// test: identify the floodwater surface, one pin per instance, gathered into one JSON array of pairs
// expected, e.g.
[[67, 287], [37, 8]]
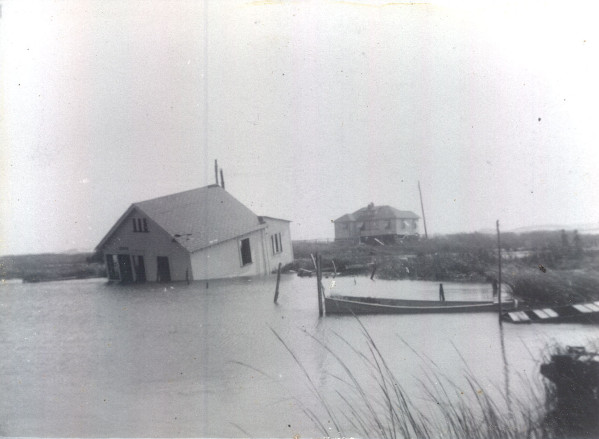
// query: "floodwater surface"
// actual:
[[87, 358]]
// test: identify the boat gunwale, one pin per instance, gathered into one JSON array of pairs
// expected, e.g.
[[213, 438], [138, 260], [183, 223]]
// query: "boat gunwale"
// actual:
[[446, 306]]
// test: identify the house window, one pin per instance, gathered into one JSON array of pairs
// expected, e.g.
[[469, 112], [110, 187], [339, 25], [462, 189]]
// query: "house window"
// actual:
[[246, 252], [140, 225], [277, 243]]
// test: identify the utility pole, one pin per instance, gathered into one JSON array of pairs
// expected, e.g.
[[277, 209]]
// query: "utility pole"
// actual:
[[499, 275], [422, 208]]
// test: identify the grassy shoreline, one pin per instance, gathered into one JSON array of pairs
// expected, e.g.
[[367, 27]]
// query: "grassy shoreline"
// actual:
[[548, 268], [51, 267]]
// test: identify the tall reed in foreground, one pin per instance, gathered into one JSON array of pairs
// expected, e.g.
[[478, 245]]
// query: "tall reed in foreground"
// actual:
[[380, 407]]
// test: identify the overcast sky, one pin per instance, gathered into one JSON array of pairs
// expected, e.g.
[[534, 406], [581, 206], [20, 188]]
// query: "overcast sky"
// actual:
[[313, 109]]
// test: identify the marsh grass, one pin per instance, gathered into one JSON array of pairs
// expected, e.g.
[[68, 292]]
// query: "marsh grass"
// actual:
[[376, 404]]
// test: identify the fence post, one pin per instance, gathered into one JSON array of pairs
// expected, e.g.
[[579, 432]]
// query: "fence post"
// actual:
[[278, 279], [318, 285], [322, 301]]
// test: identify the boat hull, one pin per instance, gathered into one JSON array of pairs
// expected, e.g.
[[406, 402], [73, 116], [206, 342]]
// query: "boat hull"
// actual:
[[577, 313], [359, 305]]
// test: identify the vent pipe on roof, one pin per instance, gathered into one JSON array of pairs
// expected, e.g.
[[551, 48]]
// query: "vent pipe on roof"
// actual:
[[216, 171], [222, 179]]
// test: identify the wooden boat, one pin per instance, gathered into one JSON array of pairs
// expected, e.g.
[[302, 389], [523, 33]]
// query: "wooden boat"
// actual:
[[370, 305], [578, 313]]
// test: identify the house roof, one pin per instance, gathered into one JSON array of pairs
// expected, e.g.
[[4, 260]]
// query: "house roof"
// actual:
[[371, 212], [262, 217], [198, 218]]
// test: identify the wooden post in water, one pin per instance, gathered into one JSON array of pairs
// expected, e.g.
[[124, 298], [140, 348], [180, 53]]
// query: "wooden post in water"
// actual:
[[321, 285], [499, 275], [318, 285], [422, 208], [278, 280]]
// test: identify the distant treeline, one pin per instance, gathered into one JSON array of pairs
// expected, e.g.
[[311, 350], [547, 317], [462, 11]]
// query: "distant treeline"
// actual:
[[562, 242], [51, 266]]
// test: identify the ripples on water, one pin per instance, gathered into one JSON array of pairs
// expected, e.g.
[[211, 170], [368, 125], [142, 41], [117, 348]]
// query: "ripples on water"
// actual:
[[85, 358]]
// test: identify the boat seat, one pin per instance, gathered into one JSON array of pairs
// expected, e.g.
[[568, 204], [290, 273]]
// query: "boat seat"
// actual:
[[519, 316], [592, 306], [541, 313], [513, 316], [582, 308], [550, 312]]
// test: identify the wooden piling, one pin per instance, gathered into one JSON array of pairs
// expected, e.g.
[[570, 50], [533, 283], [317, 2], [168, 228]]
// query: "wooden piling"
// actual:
[[422, 208], [499, 274], [278, 280], [322, 290], [373, 271], [319, 285]]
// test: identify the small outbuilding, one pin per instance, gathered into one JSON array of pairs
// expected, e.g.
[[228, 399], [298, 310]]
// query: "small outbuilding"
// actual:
[[383, 223], [198, 234]]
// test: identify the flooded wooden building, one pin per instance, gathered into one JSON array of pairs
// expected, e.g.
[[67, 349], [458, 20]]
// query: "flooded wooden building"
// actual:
[[203, 233]]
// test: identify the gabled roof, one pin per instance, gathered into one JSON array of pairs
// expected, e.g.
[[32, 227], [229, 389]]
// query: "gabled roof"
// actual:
[[262, 217], [371, 212], [198, 218]]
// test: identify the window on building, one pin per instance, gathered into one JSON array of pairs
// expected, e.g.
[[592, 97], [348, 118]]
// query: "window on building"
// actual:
[[277, 243], [246, 251], [140, 225]]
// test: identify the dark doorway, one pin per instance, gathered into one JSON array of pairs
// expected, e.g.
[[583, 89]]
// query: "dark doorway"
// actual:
[[140, 270], [125, 268], [113, 274], [246, 252], [163, 273]]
